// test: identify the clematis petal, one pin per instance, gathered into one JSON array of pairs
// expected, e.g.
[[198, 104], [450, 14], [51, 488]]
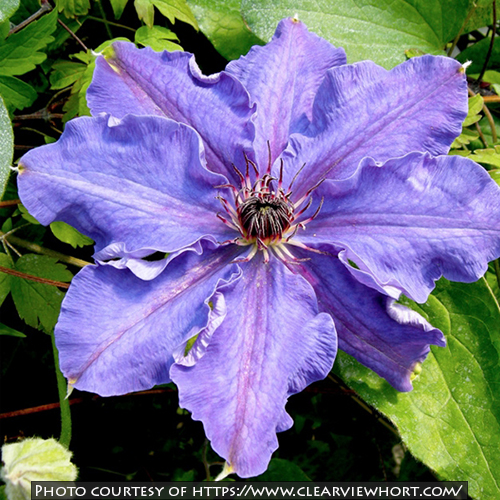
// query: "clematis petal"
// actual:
[[412, 220], [388, 338], [137, 184], [170, 84], [283, 77], [117, 333], [364, 110], [271, 342]]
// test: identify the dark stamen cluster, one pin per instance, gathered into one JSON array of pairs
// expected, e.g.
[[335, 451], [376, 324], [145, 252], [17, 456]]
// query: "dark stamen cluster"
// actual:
[[265, 217]]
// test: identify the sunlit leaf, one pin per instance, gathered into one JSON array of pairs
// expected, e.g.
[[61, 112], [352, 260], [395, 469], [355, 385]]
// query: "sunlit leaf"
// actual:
[[70, 235], [158, 38], [490, 156], [222, 24], [6, 146], [7, 8], [380, 31], [171, 9], [73, 8], [450, 421]]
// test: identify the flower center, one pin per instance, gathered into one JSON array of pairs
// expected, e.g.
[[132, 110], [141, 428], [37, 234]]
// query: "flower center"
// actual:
[[265, 217]]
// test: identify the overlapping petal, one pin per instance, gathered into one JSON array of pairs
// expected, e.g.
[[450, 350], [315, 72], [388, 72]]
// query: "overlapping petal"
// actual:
[[170, 84], [271, 343], [386, 337], [117, 333], [283, 77], [364, 110], [412, 220], [138, 185]]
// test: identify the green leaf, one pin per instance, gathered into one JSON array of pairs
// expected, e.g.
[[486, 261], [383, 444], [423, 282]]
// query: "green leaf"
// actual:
[[73, 8], [222, 24], [283, 470], [21, 52], [171, 9], [490, 156], [7, 8], [474, 113], [6, 147], [477, 55], [158, 38], [489, 76], [26, 215], [66, 73], [380, 31], [118, 7], [495, 175], [450, 421], [5, 279], [465, 138], [77, 103], [8, 331], [38, 304], [70, 235], [482, 16], [16, 93], [34, 459], [409, 53]]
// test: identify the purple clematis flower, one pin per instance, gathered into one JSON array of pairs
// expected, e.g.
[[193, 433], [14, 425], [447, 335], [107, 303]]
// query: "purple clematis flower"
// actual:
[[296, 197]]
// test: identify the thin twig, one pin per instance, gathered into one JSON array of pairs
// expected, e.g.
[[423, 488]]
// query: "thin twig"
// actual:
[[33, 247], [104, 20], [490, 48], [45, 7], [9, 203], [488, 115], [37, 409], [98, 19], [481, 135], [205, 461], [459, 34], [491, 98], [30, 277], [41, 114], [73, 35]]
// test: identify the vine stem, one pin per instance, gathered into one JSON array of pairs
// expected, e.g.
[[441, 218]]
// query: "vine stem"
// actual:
[[459, 34], [33, 247], [30, 277], [62, 389], [73, 34], [489, 117], [490, 48], [9, 203], [45, 7]]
